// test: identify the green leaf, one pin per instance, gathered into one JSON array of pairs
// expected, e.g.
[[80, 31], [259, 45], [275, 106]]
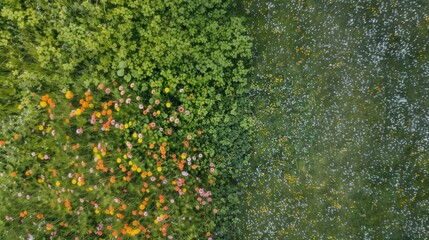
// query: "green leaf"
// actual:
[[127, 77], [122, 64], [120, 72]]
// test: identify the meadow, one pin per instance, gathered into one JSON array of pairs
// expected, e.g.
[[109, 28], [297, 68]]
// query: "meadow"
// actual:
[[120, 119]]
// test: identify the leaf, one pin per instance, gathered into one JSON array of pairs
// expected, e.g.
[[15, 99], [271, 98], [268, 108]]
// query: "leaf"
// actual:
[[120, 72], [127, 77], [135, 73], [122, 64]]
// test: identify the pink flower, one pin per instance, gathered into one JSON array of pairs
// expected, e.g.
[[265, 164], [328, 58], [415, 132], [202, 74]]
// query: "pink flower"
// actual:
[[107, 91], [157, 101], [169, 131], [153, 124], [79, 131], [128, 101], [121, 88], [132, 85], [122, 93], [181, 109], [141, 106]]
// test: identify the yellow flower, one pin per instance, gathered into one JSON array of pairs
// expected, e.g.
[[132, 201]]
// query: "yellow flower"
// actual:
[[40, 127], [74, 181], [159, 169], [134, 135], [57, 183], [158, 112], [78, 112], [43, 104], [19, 107], [69, 95], [118, 160], [126, 125], [140, 140], [167, 90], [168, 105]]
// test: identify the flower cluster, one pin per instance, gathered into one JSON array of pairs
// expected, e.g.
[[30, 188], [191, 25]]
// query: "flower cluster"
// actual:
[[111, 162]]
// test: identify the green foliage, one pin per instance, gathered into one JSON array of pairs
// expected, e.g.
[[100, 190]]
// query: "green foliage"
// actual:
[[189, 54]]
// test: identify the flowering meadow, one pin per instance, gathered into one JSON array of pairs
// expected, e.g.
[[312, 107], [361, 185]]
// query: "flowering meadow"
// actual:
[[126, 119]]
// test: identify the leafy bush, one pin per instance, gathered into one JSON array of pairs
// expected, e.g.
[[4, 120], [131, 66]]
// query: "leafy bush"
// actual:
[[132, 118]]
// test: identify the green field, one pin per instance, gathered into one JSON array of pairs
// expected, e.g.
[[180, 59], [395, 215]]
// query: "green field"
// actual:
[[211, 119], [340, 93]]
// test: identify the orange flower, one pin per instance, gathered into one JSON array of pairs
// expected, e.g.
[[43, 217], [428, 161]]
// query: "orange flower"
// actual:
[[45, 97], [67, 204], [181, 166], [16, 136], [2, 142], [48, 226], [23, 214]]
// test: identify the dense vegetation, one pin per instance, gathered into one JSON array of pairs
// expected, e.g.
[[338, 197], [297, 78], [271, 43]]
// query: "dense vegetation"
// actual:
[[121, 119]]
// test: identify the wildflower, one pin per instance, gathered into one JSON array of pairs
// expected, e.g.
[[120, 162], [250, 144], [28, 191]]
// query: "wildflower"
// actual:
[[132, 85], [78, 112], [43, 104], [168, 104], [79, 131], [157, 102], [107, 91], [181, 109], [167, 90], [69, 95]]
